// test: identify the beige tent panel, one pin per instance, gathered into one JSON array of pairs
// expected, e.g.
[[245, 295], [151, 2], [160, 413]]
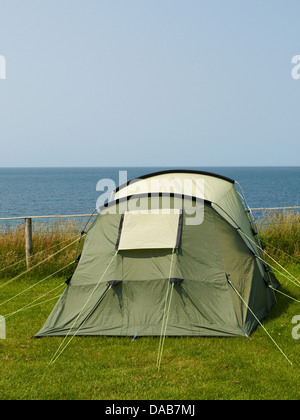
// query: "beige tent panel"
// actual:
[[148, 231], [202, 186], [191, 184], [219, 191]]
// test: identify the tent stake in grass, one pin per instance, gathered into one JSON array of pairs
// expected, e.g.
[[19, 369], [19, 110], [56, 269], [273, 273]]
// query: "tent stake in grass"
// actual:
[[259, 322]]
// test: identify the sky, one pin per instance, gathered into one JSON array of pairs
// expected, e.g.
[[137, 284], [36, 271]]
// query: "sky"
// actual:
[[149, 83]]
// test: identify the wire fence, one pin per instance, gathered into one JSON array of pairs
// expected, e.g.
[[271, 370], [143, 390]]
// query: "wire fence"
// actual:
[[268, 210], [67, 225], [69, 216], [274, 215]]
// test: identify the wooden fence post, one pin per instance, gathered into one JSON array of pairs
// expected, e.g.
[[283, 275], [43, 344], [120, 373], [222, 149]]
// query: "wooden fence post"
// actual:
[[28, 240]]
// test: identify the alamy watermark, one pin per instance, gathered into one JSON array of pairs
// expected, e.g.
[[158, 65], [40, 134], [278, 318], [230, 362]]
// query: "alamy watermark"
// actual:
[[296, 68], [159, 190], [2, 328], [2, 67], [296, 329]]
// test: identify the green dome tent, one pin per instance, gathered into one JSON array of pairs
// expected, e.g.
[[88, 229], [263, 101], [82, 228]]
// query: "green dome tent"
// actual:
[[173, 253]]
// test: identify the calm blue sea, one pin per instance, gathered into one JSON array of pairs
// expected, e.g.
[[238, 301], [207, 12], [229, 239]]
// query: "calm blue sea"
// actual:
[[45, 191]]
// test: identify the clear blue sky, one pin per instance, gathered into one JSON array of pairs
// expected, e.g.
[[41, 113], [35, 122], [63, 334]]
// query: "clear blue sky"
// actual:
[[149, 83]]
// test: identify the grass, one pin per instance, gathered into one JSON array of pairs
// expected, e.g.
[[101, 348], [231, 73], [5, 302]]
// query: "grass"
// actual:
[[111, 368], [48, 239], [280, 234]]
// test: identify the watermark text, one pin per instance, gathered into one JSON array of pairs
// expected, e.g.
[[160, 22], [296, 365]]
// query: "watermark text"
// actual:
[[296, 68], [2, 328], [296, 329], [2, 67], [161, 192]]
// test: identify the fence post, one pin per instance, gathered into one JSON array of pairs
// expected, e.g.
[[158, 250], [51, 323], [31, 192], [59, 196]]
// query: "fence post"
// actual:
[[28, 240]]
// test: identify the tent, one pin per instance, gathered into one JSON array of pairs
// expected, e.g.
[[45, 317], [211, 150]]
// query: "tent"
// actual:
[[173, 252]]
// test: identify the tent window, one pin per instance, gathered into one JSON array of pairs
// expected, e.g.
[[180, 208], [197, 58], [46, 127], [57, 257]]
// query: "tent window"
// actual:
[[149, 231]]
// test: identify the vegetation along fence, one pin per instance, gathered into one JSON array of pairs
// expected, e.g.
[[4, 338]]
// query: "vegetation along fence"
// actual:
[[257, 212]]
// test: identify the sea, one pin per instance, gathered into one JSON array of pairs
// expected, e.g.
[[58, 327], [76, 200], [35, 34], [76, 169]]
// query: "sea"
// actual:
[[68, 191]]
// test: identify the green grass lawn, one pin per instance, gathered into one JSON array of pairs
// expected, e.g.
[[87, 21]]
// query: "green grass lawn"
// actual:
[[117, 368]]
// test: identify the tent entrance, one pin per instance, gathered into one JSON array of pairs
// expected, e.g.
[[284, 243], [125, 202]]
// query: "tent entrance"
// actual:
[[149, 230]]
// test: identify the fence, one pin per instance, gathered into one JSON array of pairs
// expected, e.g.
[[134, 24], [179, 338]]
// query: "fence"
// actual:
[[28, 224], [28, 229]]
